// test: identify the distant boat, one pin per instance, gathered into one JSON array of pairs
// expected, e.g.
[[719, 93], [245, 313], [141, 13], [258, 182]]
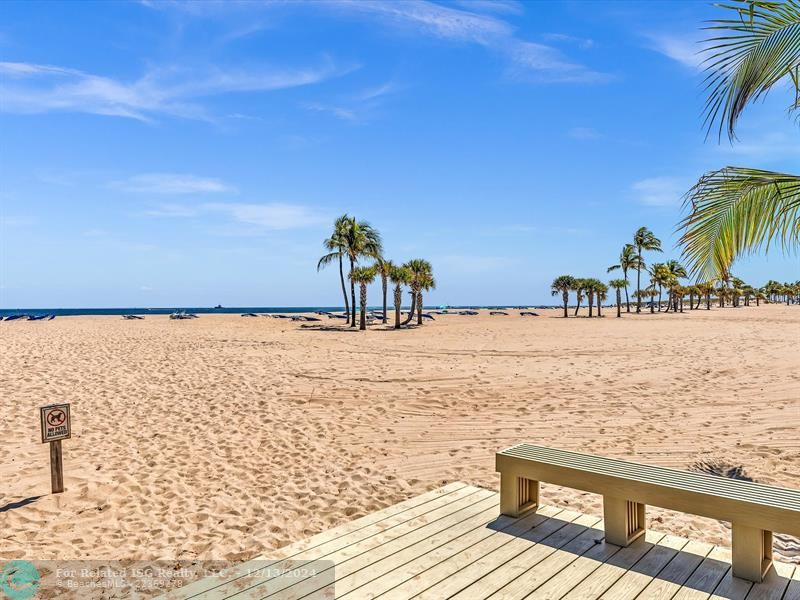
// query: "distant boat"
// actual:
[[218, 306]]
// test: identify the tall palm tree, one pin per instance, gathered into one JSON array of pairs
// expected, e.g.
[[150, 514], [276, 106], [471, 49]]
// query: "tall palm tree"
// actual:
[[643, 239], [618, 285], [734, 211], [418, 268], [676, 272], [563, 284], [400, 276], [578, 286], [336, 250], [360, 240], [384, 269], [591, 286], [363, 276], [628, 259], [426, 282], [601, 291]]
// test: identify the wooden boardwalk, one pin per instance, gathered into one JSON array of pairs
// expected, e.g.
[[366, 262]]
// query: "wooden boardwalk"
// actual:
[[451, 543]]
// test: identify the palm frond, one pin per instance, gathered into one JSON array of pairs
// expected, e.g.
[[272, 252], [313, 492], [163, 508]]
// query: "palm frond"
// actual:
[[747, 55], [736, 211]]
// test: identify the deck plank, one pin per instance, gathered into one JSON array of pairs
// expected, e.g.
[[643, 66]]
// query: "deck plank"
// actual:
[[671, 579], [452, 543], [434, 522], [327, 542], [359, 564], [774, 585], [434, 566], [497, 559], [607, 574], [706, 578]]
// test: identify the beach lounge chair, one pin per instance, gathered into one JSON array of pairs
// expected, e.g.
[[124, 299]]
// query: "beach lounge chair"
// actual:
[[249, 315], [498, 313], [528, 314]]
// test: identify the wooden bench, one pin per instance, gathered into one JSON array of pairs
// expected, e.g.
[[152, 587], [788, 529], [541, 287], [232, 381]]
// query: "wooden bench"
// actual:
[[754, 510]]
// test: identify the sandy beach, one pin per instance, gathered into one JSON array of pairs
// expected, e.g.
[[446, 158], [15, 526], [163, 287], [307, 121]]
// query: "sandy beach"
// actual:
[[227, 437]]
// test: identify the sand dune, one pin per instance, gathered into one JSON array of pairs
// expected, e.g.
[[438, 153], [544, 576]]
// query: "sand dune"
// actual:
[[225, 437]]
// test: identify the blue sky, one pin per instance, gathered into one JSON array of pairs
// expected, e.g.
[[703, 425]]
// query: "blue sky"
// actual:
[[169, 154]]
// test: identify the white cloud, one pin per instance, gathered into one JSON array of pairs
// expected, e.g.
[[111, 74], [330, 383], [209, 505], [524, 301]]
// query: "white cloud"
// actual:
[[444, 22], [34, 88], [584, 43], [583, 133], [684, 49], [274, 216], [660, 191], [167, 183], [473, 22], [764, 146], [340, 112]]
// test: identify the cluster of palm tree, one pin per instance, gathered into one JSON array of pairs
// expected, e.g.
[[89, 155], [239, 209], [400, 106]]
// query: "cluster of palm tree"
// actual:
[[589, 288], [665, 278], [353, 240]]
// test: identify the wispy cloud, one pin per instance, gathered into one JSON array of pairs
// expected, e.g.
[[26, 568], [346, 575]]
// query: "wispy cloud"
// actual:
[[583, 43], [471, 21], [683, 48], [528, 58], [583, 133], [272, 216], [660, 191], [357, 106], [36, 88], [168, 183]]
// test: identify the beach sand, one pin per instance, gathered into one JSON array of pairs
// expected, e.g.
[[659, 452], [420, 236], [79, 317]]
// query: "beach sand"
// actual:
[[225, 437]]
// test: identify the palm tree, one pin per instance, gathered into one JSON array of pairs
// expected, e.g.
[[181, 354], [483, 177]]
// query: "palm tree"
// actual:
[[426, 282], [659, 276], [336, 250], [400, 276], [363, 276], [384, 269], [675, 271], [739, 210], [418, 268], [578, 286], [601, 291], [360, 240], [618, 285], [628, 259], [562, 285], [643, 239]]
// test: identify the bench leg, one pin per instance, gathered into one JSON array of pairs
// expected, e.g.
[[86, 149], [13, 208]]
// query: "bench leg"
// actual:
[[624, 520], [517, 495], [751, 552]]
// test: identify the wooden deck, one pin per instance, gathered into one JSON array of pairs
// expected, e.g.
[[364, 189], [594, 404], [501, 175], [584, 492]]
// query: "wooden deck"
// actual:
[[451, 543]]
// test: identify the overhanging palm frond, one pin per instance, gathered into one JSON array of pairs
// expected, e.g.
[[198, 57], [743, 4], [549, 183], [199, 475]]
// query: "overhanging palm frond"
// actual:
[[736, 211], [751, 54]]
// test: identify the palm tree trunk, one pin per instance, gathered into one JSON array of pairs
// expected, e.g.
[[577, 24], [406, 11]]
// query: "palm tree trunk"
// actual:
[[413, 307], [578, 305], [659, 298], [419, 307], [627, 300], [344, 287], [590, 300], [639, 283], [398, 301], [599, 306], [352, 296], [385, 286], [363, 299], [565, 297], [619, 302]]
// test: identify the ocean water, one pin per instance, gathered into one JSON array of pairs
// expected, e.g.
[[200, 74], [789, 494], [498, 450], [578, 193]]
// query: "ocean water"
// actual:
[[4, 312]]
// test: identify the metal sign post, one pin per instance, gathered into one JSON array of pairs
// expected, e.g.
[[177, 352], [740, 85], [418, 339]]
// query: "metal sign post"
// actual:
[[56, 426]]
